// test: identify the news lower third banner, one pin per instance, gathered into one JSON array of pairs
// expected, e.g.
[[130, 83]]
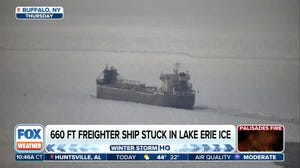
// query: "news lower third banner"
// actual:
[[35, 142]]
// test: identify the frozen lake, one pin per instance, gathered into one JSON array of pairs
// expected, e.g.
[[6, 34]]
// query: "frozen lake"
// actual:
[[243, 58]]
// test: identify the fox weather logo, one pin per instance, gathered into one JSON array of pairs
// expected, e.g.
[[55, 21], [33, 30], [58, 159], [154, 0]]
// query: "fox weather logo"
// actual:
[[29, 138], [39, 12]]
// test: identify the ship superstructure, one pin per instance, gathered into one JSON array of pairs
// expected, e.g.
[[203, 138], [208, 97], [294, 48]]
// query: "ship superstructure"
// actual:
[[176, 90]]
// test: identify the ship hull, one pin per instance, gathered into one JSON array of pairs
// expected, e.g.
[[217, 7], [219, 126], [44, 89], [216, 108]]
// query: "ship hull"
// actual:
[[186, 101]]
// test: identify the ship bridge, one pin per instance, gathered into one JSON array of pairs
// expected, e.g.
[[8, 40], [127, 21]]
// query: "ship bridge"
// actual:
[[175, 83]]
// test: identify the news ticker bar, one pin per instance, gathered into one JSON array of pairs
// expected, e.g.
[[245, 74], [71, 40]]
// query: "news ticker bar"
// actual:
[[264, 157], [84, 139]]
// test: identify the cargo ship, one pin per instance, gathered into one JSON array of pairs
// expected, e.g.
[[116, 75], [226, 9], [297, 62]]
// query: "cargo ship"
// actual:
[[176, 90]]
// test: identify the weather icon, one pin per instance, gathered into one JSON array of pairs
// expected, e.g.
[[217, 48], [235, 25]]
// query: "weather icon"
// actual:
[[146, 157]]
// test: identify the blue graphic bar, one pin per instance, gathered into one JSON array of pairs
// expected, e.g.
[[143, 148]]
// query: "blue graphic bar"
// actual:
[[75, 157], [30, 157], [253, 157], [39, 16], [238, 157], [145, 157]]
